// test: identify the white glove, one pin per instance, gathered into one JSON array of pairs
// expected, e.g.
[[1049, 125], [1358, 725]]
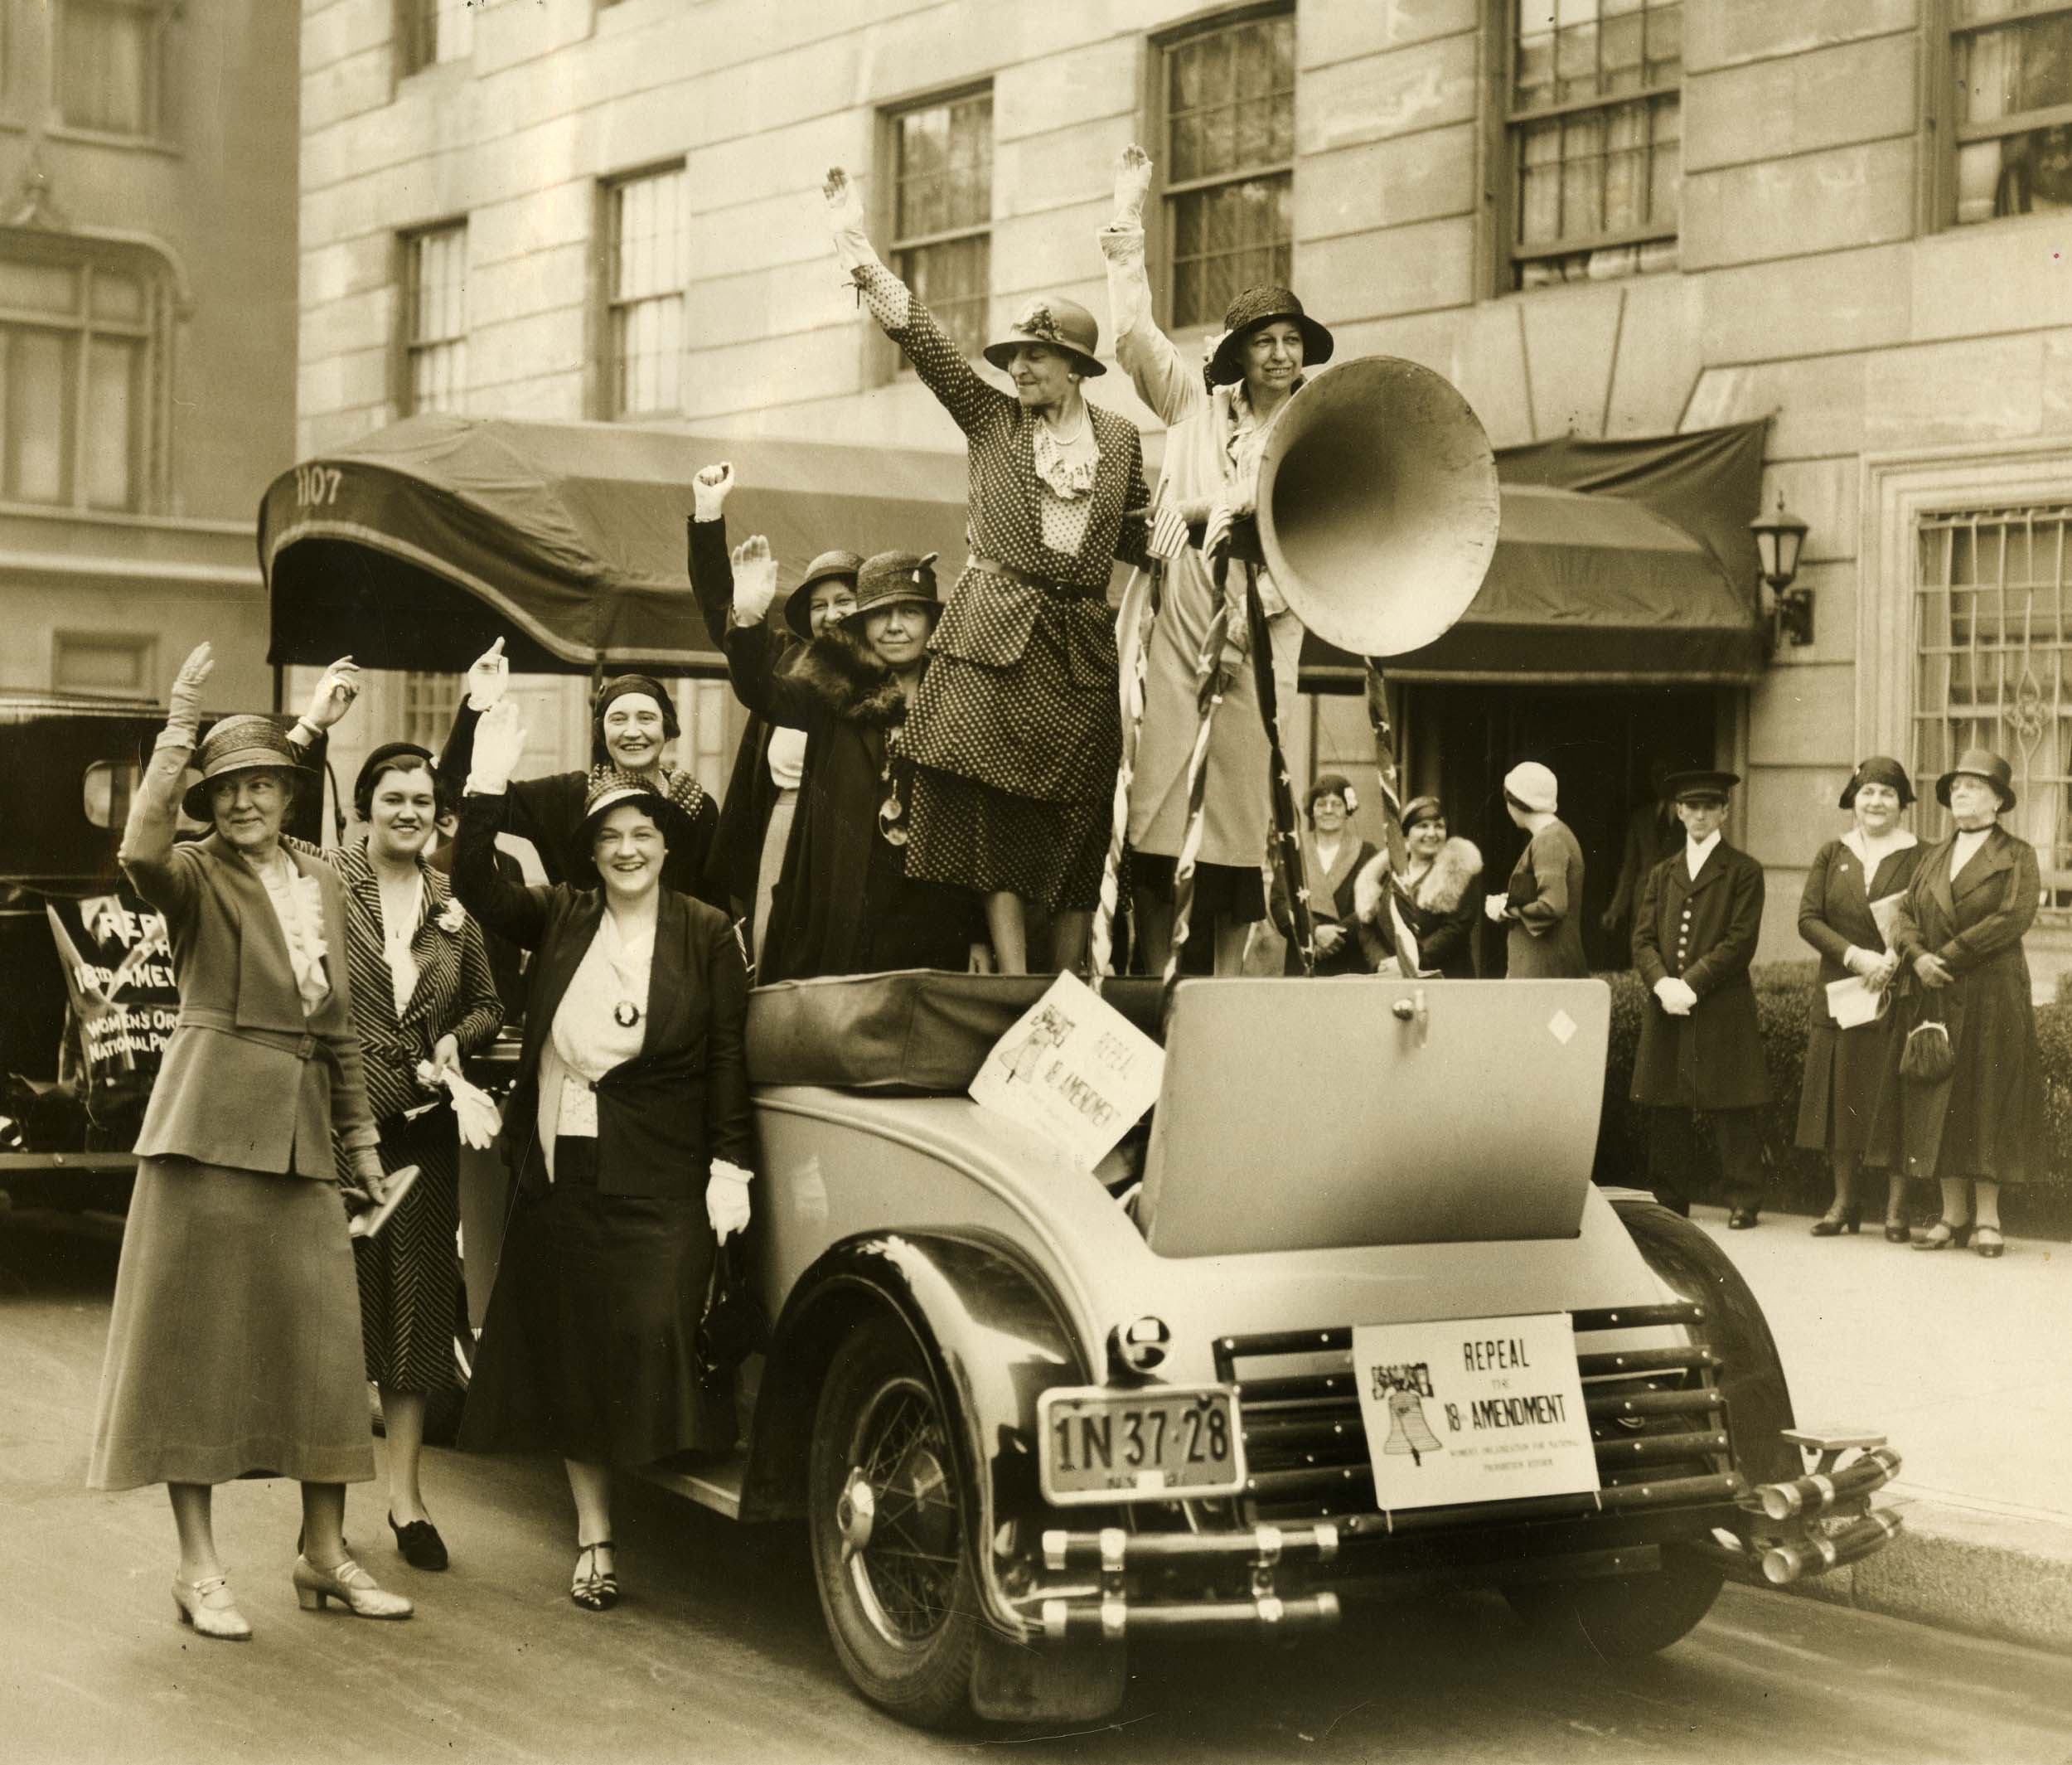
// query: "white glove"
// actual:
[[1495, 907], [488, 678], [1132, 180], [1168, 532], [499, 743], [183, 718], [754, 580], [1675, 996], [333, 696], [709, 490], [845, 221], [1857, 960], [726, 1199], [474, 1109]]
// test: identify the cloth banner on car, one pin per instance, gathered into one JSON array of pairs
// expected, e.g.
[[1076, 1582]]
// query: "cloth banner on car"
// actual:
[[118, 973], [1073, 1069]]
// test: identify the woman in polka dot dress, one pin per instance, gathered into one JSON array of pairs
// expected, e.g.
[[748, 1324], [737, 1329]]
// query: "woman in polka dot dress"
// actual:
[[1014, 731]]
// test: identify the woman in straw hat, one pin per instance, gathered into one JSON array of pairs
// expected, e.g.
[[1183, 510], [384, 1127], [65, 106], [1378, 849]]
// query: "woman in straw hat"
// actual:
[[1015, 734], [1850, 891], [1217, 420], [234, 1344], [630, 1136], [1958, 936]]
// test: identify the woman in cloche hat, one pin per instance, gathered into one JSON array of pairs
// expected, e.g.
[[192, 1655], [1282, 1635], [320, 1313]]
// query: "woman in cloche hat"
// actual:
[[1855, 883], [1015, 732], [1958, 936], [1215, 432]]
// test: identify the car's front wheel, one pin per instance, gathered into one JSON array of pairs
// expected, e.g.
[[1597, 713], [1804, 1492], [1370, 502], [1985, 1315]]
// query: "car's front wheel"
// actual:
[[885, 1514], [1622, 1616]]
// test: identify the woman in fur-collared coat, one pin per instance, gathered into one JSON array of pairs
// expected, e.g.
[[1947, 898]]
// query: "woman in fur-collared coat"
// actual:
[[1434, 897]]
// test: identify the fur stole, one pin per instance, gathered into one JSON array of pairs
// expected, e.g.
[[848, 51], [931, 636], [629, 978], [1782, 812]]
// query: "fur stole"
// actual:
[[1439, 890], [844, 674]]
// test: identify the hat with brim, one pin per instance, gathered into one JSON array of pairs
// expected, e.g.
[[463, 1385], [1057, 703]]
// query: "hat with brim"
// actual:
[[829, 566], [247, 743], [1059, 324], [1979, 763], [608, 792], [1880, 768], [1699, 785], [897, 579], [1261, 306]]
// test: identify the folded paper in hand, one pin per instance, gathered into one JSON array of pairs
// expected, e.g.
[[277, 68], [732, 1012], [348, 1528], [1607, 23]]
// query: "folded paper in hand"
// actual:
[[1075, 1070], [1884, 911], [1851, 1001]]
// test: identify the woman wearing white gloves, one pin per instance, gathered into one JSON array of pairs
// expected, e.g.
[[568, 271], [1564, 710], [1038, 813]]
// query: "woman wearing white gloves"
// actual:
[[1219, 417], [630, 1138]]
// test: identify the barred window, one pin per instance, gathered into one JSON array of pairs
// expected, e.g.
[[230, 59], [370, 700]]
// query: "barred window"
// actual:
[[108, 65], [1229, 140], [646, 275], [2011, 78], [434, 31], [1993, 665], [1594, 127], [943, 210], [429, 701], [435, 304]]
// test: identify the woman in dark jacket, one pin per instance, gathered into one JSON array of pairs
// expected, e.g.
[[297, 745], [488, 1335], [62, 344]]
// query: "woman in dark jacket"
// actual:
[[1959, 934], [1434, 896], [844, 903], [629, 1136], [1854, 881]]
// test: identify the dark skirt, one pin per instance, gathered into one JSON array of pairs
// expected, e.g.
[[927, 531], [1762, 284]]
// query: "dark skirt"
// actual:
[[589, 1348], [970, 835], [234, 1345], [1233, 892], [408, 1270], [1838, 1095]]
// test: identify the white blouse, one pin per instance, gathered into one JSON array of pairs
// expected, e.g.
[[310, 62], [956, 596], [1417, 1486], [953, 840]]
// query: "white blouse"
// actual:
[[298, 904], [600, 1023]]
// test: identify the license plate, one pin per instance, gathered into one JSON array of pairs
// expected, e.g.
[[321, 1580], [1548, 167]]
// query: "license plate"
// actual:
[[1153, 1444]]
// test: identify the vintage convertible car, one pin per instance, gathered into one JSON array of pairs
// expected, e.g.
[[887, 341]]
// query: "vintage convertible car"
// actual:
[[1024, 1422]]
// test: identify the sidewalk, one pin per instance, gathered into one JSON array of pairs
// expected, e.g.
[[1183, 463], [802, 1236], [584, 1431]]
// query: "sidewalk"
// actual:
[[1966, 1365]]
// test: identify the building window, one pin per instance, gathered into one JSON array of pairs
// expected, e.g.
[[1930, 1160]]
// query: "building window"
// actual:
[[434, 31], [1993, 664], [429, 701], [2011, 75], [78, 368], [645, 276], [435, 303], [108, 65], [1594, 132], [1228, 93], [943, 210], [104, 664]]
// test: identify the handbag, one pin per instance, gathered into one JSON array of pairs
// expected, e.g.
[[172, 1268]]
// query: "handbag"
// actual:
[[1928, 1057], [735, 1325]]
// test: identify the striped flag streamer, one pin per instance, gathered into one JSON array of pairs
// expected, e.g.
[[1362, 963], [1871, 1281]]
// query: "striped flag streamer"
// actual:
[[1286, 846], [1208, 694], [1142, 599]]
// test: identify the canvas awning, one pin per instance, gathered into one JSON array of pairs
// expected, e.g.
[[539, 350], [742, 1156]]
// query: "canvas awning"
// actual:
[[416, 546]]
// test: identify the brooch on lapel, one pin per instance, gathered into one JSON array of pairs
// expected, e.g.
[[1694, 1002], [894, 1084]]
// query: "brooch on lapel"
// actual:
[[625, 1014], [451, 917]]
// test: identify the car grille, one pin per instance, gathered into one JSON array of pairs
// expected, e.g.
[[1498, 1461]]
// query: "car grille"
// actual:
[[1656, 1418]]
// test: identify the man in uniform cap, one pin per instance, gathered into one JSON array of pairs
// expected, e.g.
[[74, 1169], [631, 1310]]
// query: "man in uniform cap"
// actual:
[[1694, 935]]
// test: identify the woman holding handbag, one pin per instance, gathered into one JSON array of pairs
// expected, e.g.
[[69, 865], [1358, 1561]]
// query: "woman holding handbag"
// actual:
[[1963, 1096]]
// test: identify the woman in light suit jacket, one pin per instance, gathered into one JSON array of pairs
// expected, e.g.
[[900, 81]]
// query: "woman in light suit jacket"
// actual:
[[234, 1344]]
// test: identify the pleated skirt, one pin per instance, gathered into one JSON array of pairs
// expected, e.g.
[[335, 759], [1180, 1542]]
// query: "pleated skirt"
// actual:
[[234, 1345]]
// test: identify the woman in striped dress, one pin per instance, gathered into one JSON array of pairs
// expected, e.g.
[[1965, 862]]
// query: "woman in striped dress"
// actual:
[[1015, 731]]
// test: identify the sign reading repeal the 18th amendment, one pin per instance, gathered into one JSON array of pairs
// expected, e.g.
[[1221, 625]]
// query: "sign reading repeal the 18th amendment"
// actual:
[[1074, 1070], [1475, 1410]]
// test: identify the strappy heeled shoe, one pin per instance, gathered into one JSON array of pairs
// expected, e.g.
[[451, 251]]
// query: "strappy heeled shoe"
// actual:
[[598, 1591], [1837, 1221], [207, 1605], [351, 1586]]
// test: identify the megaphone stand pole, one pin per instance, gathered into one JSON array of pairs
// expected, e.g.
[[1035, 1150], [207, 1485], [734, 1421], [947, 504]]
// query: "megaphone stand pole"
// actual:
[[1405, 940], [1208, 694]]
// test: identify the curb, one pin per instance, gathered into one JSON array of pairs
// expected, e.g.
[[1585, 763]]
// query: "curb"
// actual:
[[1987, 1571]]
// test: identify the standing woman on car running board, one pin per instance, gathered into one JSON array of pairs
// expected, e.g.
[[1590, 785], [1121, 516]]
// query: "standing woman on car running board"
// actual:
[[233, 1347]]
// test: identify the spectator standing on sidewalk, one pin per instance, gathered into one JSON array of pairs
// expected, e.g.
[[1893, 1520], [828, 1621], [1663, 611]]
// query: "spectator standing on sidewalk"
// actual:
[[1852, 880], [1543, 904], [1700, 1050]]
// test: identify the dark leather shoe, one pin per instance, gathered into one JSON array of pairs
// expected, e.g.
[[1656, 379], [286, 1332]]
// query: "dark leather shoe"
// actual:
[[420, 1543], [1741, 1219], [1898, 1232]]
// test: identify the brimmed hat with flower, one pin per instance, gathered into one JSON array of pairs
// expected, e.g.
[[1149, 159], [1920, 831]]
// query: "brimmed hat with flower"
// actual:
[[1332, 784], [1061, 324], [894, 578]]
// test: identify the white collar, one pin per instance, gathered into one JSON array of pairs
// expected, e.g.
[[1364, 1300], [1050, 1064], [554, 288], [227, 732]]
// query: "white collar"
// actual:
[[1696, 851], [1871, 857]]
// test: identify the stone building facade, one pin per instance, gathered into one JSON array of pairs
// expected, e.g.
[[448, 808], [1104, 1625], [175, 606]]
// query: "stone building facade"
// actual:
[[147, 214], [1604, 217]]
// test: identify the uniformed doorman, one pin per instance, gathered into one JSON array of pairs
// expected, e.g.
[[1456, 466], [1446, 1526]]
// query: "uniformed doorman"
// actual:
[[1694, 935]]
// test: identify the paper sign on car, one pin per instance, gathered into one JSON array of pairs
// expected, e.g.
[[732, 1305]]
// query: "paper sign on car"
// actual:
[[1474, 1409], [1074, 1070]]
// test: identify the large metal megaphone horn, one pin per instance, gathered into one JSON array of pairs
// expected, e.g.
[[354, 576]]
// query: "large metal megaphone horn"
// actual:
[[1378, 505]]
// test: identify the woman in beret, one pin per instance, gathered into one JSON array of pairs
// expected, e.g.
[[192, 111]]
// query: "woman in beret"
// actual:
[[1850, 893], [1542, 905]]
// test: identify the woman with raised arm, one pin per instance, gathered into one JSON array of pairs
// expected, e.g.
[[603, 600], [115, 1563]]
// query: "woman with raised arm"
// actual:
[[629, 1136], [1015, 732], [234, 1344], [1217, 421]]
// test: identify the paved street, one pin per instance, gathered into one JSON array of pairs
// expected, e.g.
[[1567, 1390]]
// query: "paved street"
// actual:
[[718, 1654]]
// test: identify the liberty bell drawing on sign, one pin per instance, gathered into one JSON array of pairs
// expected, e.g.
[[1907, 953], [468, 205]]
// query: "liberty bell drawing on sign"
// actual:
[[1408, 1429]]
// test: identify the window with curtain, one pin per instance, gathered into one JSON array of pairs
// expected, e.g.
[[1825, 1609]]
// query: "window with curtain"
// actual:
[[79, 358], [435, 312], [434, 31], [2011, 68], [644, 277], [1593, 126], [108, 65], [1228, 95], [943, 210], [1992, 644]]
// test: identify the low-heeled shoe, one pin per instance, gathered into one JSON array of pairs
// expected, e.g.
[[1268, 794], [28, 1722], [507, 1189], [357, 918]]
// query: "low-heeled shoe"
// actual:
[[1742, 1218], [420, 1543], [351, 1586], [221, 1619]]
